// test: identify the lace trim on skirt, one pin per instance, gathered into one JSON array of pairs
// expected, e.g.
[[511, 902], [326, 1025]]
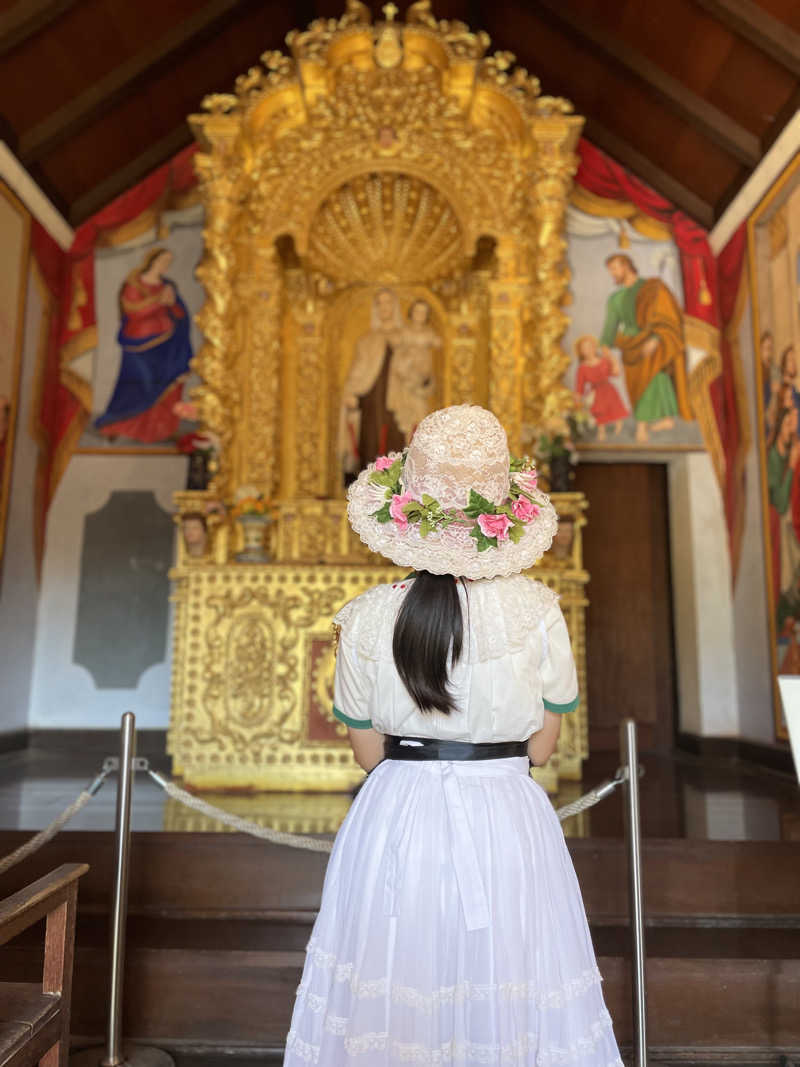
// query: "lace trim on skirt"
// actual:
[[514, 1054], [454, 994]]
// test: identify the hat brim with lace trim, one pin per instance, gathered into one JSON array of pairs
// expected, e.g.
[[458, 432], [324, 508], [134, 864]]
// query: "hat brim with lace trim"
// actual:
[[454, 502]]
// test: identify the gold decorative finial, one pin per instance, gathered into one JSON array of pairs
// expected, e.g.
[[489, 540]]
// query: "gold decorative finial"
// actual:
[[391, 11]]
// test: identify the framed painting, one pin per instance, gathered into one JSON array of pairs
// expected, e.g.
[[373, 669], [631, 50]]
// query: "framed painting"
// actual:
[[640, 364], [15, 242], [774, 259], [138, 373]]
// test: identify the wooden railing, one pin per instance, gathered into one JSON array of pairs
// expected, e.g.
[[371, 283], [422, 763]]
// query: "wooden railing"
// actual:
[[34, 1018]]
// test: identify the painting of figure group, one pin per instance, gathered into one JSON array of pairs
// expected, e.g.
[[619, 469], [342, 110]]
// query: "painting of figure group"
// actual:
[[633, 370], [781, 418]]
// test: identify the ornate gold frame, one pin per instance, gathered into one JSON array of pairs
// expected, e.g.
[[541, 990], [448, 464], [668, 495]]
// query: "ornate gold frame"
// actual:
[[765, 205]]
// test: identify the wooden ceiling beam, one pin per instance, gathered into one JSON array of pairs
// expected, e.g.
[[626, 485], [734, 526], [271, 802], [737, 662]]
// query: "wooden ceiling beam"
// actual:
[[764, 31], [126, 177], [702, 116], [649, 172], [27, 17], [86, 108]]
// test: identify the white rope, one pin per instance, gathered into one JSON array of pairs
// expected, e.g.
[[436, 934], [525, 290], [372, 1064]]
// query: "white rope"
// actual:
[[244, 826], [318, 844], [45, 835], [588, 800]]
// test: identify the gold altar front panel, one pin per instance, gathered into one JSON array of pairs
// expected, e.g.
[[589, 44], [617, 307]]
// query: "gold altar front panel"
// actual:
[[252, 689]]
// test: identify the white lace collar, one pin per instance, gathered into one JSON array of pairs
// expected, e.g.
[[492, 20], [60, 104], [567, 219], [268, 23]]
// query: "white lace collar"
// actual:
[[502, 612]]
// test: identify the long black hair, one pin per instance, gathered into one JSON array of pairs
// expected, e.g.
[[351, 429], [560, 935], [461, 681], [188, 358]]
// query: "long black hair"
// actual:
[[428, 639]]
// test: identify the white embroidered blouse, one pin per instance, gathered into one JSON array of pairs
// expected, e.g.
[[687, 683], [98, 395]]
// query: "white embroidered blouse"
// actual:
[[516, 662]]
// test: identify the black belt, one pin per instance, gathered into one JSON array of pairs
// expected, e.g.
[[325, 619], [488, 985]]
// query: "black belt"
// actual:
[[433, 748]]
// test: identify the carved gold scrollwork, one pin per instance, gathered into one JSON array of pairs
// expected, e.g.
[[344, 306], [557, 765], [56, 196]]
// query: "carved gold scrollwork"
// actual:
[[396, 153]]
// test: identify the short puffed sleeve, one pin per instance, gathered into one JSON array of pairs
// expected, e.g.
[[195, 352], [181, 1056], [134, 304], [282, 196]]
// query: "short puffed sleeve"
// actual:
[[352, 680], [558, 675]]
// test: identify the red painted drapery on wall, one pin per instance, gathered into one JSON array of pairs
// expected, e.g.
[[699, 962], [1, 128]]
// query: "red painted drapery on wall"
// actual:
[[603, 177], [66, 403], [710, 292], [733, 421]]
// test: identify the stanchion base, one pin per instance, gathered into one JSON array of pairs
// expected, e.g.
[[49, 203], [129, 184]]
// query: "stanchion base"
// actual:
[[132, 1056]]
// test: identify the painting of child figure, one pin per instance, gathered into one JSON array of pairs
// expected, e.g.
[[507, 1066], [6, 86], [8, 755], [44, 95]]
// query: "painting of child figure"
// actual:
[[594, 388]]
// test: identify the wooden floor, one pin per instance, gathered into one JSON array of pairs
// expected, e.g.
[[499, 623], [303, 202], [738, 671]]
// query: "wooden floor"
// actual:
[[682, 796]]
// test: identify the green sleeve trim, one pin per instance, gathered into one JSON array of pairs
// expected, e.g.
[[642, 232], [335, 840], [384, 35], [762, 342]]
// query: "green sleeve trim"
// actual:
[[357, 724], [562, 708]]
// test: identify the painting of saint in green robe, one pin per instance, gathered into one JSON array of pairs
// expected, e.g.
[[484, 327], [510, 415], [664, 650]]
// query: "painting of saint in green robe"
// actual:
[[644, 321]]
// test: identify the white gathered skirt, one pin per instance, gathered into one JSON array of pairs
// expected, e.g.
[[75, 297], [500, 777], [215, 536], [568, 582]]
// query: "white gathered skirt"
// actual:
[[451, 930]]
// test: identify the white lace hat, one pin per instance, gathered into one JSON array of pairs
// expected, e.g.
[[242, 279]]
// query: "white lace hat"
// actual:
[[454, 502]]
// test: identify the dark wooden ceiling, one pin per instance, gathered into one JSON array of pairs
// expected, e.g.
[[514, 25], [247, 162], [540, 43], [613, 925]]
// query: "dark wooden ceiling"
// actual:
[[688, 94]]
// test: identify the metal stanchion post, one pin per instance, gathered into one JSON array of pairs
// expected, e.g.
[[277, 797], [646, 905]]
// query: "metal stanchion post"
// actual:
[[115, 1055], [630, 759]]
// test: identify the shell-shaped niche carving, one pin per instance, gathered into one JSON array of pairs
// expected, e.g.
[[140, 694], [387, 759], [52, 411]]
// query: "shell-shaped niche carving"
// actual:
[[386, 227]]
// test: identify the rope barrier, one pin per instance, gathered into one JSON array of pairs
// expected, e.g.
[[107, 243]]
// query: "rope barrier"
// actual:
[[236, 822], [317, 844], [244, 826], [55, 826]]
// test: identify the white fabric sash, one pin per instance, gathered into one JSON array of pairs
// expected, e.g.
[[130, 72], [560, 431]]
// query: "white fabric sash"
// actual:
[[463, 853]]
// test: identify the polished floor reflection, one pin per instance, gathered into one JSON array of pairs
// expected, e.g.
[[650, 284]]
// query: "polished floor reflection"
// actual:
[[682, 796]]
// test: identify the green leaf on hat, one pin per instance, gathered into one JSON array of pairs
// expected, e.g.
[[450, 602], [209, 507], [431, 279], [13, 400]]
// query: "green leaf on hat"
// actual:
[[478, 505], [483, 542], [387, 477], [516, 532], [383, 514]]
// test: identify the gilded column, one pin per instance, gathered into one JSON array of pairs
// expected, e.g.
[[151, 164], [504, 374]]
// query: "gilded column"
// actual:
[[555, 137], [462, 383], [311, 393], [219, 397], [507, 294], [260, 298]]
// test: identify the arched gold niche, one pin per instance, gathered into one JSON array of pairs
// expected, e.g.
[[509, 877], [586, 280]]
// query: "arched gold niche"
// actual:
[[374, 155], [459, 148]]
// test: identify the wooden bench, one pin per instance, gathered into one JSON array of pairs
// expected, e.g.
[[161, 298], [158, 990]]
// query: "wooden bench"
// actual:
[[34, 1019]]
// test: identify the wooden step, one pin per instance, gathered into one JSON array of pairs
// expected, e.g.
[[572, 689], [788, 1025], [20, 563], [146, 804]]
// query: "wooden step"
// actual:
[[220, 875], [222, 921]]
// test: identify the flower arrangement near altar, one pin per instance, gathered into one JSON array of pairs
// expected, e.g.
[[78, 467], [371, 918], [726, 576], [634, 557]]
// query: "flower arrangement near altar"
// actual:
[[559, 436], [247, 500], [556, 447], [488, 523]]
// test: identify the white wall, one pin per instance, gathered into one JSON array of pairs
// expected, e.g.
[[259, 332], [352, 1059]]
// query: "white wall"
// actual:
[[750, 609], [18, 590], [702, 600], [64, 695]]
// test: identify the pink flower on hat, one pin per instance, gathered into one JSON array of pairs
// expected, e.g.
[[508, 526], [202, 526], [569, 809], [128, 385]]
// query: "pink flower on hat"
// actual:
[[383, 463], [495, 526], [525, 509], [527, 480], [399, 500]]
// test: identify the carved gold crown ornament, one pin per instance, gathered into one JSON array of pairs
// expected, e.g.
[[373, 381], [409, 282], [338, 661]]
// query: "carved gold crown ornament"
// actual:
[[382, 182]]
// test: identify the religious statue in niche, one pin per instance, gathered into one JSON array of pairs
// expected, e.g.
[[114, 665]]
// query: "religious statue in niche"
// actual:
[[391, 382], [645, 322], [156, 350]]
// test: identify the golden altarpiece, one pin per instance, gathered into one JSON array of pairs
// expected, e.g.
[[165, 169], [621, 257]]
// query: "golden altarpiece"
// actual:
[[393, 156]]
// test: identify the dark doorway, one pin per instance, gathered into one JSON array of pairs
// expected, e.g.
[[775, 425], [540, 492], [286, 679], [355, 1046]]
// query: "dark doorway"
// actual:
[[629, 630]]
